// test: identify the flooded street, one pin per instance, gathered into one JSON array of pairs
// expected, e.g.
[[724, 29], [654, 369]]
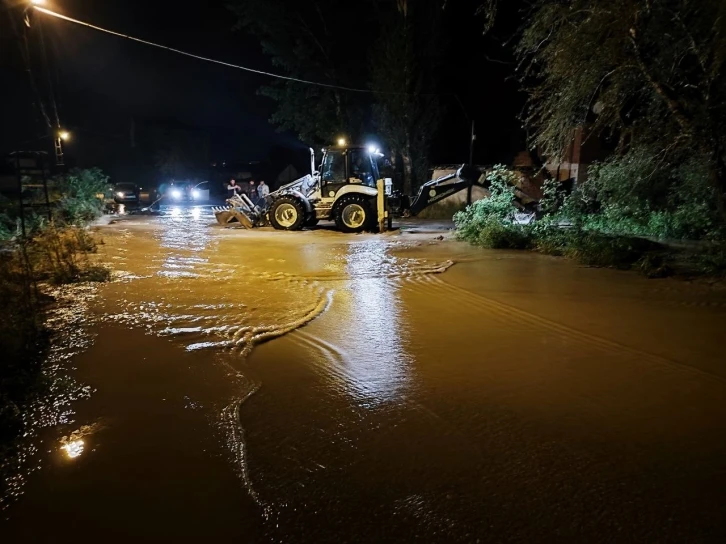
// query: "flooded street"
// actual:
[[262, 386]]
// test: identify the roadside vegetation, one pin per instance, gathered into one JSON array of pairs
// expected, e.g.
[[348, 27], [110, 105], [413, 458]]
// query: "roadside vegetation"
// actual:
[[620, 218], [647, 80], [54, 251]]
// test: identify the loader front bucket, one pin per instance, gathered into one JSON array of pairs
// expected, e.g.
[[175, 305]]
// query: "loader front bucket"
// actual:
[[225, 216]]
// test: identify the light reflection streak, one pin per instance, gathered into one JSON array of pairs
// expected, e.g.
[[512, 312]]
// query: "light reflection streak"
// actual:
[[184, 229], [378, 368]]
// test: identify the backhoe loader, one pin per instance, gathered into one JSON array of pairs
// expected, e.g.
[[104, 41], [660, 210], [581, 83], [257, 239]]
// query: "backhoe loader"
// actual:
[[347, 189]]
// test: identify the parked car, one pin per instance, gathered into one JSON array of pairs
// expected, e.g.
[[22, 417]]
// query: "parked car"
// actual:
[[127, 193]]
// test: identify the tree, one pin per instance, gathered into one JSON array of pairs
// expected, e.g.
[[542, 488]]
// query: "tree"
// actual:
[[180, 152], [407, 110], [312, 40], [648, 72]]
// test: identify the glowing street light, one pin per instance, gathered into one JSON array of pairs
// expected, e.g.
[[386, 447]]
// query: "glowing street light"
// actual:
[[64, 135], [37, 2], [341, 142], [73, 449]]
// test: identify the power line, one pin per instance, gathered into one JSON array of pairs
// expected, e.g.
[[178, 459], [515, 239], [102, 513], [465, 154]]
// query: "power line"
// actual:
[[198, 57]]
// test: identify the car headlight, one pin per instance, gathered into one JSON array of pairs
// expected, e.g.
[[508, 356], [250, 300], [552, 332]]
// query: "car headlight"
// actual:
[[196, 194], [176, 193], [120, 194]]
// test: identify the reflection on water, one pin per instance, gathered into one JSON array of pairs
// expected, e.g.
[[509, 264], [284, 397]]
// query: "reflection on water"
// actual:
[[205, 296], [185, 229], [67, 322], [213, 291], [377, 366]]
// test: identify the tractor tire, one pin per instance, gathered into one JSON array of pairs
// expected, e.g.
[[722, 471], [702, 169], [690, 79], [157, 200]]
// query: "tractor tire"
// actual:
[[353, 213], [287, 213], [311, 220]]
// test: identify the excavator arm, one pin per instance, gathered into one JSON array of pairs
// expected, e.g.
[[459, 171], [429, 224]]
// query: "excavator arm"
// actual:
[[437, 189]]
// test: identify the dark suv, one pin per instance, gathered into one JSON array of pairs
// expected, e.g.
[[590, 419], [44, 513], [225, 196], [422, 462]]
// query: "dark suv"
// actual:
[[126, 193]]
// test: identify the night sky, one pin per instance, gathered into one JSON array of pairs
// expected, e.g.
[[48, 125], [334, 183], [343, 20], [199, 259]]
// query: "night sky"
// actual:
[[102, 82]]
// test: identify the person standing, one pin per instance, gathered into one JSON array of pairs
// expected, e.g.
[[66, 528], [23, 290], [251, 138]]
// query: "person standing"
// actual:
[[233, 188], [263, 190], [252, 190]]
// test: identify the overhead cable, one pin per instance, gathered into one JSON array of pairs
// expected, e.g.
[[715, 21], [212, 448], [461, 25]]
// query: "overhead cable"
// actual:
[[199, 57]]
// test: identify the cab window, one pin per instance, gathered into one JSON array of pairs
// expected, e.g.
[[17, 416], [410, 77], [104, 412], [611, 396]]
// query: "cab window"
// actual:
[[360, 167], [333, 168]]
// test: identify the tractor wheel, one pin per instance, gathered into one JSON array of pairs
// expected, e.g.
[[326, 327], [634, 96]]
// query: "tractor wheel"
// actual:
[[287, 213], [311, 220], [353, 213]]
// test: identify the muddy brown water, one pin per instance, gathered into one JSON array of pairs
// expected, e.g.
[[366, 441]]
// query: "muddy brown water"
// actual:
[[318, 387]]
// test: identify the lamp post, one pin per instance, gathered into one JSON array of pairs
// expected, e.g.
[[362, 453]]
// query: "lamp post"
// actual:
[[471, 159], [60, 137]]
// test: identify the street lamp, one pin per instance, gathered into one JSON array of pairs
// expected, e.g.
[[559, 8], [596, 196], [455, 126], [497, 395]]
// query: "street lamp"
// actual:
[[64, 135], [341, 142]]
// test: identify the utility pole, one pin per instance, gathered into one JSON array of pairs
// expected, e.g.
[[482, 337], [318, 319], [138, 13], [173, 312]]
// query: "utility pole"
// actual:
[[471, 159], [21, 208], [471, 144], [59, 158]]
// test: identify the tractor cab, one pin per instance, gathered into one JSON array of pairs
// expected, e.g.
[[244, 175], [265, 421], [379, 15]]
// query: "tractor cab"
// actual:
[[344, 166]]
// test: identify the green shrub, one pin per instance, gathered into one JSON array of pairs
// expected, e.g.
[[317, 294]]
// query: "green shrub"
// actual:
[[550, 239], [553, 197], [596, 249], [495, 234], [640, 193], [483, 214], [60, 255], [712, 261], [78, 202]]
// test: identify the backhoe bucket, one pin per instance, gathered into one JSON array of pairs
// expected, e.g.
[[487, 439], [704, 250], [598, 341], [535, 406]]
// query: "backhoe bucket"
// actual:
[[225, 216], [240, 210]]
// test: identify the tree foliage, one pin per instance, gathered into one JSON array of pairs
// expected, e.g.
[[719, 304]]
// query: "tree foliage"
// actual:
[[648, 72], [312, 40], [630, 194], [404, 66], [180, 152]]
